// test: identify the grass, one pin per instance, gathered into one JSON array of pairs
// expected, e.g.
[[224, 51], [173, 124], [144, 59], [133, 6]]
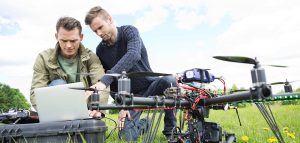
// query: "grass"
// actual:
[[254, 127]]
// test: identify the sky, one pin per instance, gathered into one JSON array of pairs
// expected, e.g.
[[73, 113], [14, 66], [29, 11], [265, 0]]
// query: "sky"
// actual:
[[179, 35]]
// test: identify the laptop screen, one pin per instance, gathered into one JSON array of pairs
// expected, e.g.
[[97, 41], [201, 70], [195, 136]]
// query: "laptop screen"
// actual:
[[59, 103]]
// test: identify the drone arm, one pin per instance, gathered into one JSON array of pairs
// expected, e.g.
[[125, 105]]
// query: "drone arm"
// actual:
[[254, 93], [230, 98], [153, 102]]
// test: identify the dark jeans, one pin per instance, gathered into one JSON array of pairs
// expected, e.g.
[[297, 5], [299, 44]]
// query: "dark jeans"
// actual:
[[57, 82], [132, 129]]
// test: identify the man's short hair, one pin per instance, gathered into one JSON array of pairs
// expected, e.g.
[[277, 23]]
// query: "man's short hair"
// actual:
[[94, 12], [68, 23]]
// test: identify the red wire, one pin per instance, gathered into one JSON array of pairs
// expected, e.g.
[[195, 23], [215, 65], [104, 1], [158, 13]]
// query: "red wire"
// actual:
[[220, 79]]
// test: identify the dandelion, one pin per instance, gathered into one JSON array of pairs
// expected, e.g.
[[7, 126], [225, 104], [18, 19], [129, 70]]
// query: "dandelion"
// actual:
[[266, 129], [286, 129], [272, 140], [245, 138], [291, 135]]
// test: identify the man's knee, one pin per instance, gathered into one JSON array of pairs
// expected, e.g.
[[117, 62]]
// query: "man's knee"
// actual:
[[130, 131], [57, 82], [168, 81]]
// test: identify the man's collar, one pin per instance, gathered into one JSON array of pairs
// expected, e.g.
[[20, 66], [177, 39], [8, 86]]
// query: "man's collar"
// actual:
[[118, 38], [53, 57]]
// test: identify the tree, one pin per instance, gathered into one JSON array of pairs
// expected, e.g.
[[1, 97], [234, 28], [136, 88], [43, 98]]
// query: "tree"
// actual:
[[234, 87], [11, 98], [297, 90]]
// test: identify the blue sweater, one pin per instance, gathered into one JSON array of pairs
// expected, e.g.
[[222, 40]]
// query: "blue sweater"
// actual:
[[129, 54]]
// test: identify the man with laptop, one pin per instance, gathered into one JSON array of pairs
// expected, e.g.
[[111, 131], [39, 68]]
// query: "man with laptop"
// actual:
[[67, 62]]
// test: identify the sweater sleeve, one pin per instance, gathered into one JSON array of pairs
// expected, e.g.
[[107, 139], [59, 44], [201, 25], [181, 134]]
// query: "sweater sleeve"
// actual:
[[131, 57]]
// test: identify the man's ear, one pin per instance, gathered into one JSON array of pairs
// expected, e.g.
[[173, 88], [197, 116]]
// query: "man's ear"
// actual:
[[56, 36], [81, 37], [110, 20]]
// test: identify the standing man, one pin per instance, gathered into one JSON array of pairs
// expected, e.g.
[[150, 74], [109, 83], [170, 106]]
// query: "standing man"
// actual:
[[122, 49], [67, 62]]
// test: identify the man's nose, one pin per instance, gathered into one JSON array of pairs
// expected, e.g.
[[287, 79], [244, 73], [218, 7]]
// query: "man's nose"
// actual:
[[99, 33], [68, 44]]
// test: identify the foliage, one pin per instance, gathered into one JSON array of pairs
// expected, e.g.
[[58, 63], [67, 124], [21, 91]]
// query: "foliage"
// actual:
[[297, 90], [11, 98], [114, 111], [234, 87]]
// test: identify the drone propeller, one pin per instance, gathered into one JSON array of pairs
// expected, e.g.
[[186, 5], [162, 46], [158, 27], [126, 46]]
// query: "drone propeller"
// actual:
[[132, 74], [245, 60], [83, 88], [285, 82], [135, 74], [279, 66], [276, 83], [85, 74], [236, 59], [91, 89]]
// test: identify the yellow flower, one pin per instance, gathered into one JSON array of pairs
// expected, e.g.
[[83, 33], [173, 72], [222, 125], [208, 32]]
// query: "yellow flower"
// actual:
[[285, 129], [266, 129], [272, 140], [245, 138], [291, 135]]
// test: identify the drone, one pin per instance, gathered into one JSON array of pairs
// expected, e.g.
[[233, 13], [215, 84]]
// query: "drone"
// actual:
[[195, 101]]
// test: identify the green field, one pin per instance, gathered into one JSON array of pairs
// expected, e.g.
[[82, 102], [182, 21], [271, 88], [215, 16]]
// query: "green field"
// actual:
[[253, 124]]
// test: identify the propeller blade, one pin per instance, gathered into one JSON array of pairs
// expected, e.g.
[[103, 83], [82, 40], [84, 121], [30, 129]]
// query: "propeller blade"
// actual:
[[279, 66], [138, 74], [276, 83], [146, 74], [113, 74], [83, 88], [85, 74], [294, 81], [236, 59], [284, 82], [91, 89]]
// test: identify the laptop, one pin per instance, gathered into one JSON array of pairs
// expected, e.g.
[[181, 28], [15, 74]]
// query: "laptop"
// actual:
[[60, 103]]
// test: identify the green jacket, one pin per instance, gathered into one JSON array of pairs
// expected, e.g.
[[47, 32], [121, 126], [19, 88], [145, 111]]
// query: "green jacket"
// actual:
[[46, 68]]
